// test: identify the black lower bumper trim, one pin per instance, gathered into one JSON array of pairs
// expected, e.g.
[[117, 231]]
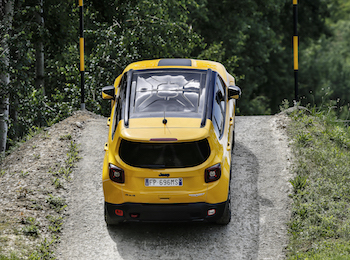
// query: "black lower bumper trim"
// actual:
[[140, 212]]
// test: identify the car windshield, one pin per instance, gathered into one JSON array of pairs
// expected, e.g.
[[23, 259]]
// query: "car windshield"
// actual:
[[164, 155], [170, 93]]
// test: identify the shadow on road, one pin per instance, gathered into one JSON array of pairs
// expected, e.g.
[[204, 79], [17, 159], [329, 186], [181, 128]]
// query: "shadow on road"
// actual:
[[238, 240]]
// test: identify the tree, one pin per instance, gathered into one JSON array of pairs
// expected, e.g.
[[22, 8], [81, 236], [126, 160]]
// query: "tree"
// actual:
[[255, 39], [30, 104], [6, 11], [39, 48], [136, 30], [325, 63]]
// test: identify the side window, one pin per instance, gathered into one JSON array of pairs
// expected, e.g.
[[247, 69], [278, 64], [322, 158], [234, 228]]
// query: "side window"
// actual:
[[119, 103], [219, 106]]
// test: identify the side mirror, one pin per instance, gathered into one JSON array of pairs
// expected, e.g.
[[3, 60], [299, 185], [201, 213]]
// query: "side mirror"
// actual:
[[108, 92], [234, 92]]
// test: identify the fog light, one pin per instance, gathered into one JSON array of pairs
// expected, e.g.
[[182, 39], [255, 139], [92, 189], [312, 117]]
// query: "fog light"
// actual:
[[211, 212], [119, 212]]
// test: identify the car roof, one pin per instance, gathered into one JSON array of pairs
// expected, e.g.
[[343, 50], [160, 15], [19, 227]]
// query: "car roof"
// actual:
[[183, 63]]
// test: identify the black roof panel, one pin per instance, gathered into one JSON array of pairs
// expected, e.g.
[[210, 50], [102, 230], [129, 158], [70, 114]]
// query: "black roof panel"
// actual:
[[175, 62]]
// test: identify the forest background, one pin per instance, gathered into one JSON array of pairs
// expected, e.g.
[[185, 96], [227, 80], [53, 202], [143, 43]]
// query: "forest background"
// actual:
[[39, 52]]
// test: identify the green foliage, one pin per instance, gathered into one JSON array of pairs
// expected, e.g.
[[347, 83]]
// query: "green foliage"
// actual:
[[66, 137], [65, 170], [56, 223], [44, 251], [57, 183], [12, 257], [299, 183], [29, 107], [23, 174], [139, 30], [320, 213], [56, 203], [326, 250], [325, 64], [72, 155], [31, 228], [256, 45]]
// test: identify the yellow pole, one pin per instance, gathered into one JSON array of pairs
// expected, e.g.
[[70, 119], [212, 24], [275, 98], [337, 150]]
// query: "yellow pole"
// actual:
[[296, 49], [81, 48], [82, 65]]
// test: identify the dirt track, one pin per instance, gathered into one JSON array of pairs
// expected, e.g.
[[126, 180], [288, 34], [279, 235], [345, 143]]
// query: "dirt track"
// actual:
[[260, 205]]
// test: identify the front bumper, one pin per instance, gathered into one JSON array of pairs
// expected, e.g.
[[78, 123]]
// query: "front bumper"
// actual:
[[139, 212]]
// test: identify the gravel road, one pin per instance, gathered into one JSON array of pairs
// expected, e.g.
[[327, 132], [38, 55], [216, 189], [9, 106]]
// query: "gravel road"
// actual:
[[260, 205]]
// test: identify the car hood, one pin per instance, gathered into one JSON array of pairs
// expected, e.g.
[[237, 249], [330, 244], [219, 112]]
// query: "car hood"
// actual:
[[175, 129]]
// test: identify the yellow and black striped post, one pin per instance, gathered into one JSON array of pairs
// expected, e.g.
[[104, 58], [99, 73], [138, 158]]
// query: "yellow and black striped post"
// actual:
[[81, 48], [295, 49]]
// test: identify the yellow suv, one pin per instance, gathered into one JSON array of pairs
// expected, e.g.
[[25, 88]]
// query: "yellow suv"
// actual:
[[171, 131]]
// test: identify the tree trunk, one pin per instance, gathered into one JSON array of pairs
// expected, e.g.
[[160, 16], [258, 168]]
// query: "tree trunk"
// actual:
[[39, 51], [4, 116], [6, 11]]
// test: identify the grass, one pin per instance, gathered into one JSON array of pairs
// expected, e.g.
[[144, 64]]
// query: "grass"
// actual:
[[57, 183], [56, 203], [31, 228], [56, 223], [44, 250], [11, 257], [44, 247], [66, 137], [66, 170], [72, 155], [23, 174], [36, 205], [33, 131], [320, 223]]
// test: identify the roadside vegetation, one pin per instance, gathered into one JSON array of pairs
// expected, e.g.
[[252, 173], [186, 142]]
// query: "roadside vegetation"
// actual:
[[320, 224], [33, 227]]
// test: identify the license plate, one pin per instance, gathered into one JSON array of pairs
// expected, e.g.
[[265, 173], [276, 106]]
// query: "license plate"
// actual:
[[168, 182]]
